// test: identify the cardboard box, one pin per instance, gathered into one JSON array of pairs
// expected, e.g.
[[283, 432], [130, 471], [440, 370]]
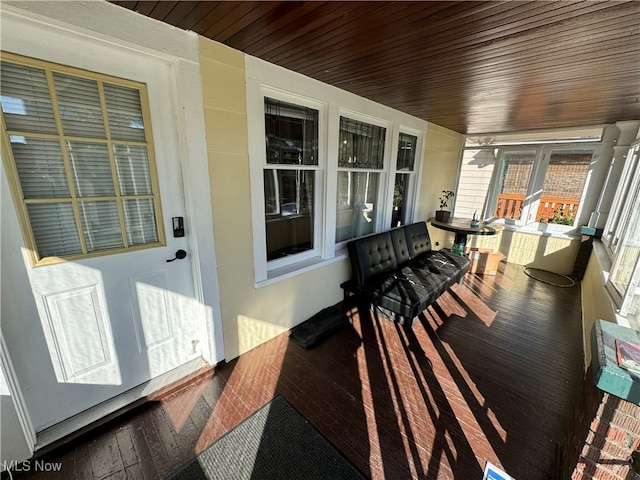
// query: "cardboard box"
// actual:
[[484, 261]]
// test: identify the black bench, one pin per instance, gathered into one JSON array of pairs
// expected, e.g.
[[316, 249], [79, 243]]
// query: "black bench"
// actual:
[[398, 271]]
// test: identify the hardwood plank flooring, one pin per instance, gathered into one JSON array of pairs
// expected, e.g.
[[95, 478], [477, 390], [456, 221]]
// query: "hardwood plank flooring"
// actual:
[[491, 372]]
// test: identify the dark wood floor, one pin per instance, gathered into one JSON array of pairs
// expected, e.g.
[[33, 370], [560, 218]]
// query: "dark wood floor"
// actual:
[[490, 373]]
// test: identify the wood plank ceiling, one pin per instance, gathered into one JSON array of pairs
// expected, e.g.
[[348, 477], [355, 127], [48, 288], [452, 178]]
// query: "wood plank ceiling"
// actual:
[[473, 67]]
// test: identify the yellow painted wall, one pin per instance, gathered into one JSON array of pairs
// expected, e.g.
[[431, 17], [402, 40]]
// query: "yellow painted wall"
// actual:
[[596, 303], [439, 172], [250, 315], [556, 254]]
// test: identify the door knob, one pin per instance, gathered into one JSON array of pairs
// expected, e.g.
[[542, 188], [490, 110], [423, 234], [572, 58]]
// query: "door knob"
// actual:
[[180, 254]]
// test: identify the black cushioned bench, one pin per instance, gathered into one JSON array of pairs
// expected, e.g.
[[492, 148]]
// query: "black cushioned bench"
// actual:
[[398, 271]]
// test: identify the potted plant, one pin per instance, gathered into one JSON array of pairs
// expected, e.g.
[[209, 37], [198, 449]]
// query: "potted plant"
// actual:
[[443, 214]]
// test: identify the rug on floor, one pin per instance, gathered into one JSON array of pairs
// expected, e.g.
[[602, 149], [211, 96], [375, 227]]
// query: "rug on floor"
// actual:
[[274, 442]]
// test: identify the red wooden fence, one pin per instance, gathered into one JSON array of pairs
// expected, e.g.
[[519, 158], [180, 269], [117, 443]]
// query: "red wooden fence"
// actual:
[[509, 205]]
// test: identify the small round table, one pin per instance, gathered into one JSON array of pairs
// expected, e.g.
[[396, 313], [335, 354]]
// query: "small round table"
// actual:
[[462, 227]]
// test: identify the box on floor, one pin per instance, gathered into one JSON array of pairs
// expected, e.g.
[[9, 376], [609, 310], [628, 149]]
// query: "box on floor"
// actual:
[[484, 261]]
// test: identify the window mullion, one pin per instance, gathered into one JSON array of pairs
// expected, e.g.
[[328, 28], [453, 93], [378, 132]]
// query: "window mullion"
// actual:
[[622, 207], [65, 160], [151, 158], [47, 136], [293, 166], [112, 164], [536, 183]]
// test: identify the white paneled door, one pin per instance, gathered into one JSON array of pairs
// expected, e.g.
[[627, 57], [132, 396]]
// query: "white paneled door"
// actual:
[[92, 318]]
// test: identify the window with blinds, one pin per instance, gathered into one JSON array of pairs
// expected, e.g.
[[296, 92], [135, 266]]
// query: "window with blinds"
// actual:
[[82, 167]]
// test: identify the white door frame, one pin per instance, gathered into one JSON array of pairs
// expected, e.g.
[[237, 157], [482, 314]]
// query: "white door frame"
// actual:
[[195, 176], [9, 374]]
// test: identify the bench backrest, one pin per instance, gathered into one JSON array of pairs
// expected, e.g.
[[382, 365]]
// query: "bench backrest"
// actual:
[[371, 255], [382, 252], [418, 240]]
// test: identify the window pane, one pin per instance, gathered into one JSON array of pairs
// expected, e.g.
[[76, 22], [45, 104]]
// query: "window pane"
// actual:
[[133, 169], [140, 221], [619, 206], [54, 229], [291, 133], [400, 189], [357, 198], [79, 105], [361, 144], [75, 160], [124, 112], [91, 169], [289, 197], [25, 99], [629, 250], [40, 167], [513, 178], [101, 225], [563, 185], [406, 152]]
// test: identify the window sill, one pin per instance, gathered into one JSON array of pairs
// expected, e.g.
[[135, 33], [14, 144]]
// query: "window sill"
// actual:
[[545, 229], [289, 271]]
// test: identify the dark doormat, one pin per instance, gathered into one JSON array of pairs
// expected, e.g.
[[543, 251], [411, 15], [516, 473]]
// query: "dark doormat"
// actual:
[[274, 442]]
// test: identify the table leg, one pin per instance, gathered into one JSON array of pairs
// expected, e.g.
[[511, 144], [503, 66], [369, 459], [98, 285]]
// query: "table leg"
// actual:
[[459, 244]]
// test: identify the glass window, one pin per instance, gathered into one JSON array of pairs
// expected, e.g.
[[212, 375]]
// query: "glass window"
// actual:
[[85, 180], [361, 144], [290, 178], [563, 185], [360, 160], [513, 180], [624, 228], [530, 184], [357, 200], [403, 183], [291, 133], [620, 207], [629, 249]]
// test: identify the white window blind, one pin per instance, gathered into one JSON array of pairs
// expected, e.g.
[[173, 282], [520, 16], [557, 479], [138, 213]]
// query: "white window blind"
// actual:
[[124, 112], [25, 99], [40, 167], [79, 106], [81, 159], [133, 169], [54, 229], [101, 225], [139, 218], [90, 169]]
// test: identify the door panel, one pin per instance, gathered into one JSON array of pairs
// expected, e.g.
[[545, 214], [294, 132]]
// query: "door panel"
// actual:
[[86, 358], [87, 330], [151, 306]]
